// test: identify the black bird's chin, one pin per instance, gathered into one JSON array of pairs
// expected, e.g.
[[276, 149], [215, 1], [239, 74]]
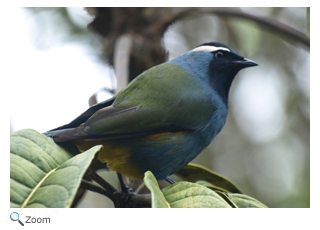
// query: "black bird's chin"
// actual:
[[222, 82], [223, 75]]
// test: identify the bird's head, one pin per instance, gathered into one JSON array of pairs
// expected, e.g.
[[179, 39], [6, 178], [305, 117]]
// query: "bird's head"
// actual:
[[215, 64]]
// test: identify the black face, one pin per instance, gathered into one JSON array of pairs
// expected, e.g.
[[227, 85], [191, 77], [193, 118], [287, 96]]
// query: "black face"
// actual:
[[229, 61], [225, 56], [224, 66]]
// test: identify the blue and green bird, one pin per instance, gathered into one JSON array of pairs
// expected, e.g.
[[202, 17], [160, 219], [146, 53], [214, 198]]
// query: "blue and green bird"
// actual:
[[164, 118]]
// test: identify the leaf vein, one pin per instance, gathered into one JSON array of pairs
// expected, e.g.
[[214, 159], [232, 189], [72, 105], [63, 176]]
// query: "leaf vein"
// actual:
[[36, 187]]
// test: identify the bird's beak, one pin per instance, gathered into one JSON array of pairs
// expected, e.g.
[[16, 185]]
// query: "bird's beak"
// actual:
[[245, 63]]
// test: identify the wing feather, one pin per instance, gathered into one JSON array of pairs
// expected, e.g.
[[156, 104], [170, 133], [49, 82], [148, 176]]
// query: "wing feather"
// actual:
[[162, 99]]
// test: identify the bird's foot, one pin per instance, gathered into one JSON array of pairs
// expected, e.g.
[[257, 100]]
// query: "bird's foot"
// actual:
[[125, 195]]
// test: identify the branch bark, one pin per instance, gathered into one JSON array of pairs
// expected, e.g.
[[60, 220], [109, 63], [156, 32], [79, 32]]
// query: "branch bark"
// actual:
[[120, 200]]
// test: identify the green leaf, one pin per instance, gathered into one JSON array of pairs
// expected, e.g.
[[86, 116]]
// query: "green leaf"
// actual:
[[183, 195], [191, 195], [157, 198], [194, 173], [42, 174], [244, 201]]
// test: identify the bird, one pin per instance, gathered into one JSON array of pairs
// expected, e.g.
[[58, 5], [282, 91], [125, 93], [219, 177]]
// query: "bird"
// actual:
[[164, 118]]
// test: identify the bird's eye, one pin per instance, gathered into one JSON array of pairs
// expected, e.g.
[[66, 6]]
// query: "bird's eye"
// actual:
[[219, 55]]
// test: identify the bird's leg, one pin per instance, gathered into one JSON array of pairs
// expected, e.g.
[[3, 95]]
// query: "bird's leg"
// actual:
[[125, 192], [124, 188], [170, 180]]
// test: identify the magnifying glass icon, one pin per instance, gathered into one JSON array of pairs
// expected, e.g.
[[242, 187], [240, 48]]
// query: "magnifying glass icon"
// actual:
[[15, 217]]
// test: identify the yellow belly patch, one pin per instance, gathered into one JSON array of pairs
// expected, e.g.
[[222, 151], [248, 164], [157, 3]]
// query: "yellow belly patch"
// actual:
[[117, 156]]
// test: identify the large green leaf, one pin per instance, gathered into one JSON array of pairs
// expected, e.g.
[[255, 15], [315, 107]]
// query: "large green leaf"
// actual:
[[194, 173], [42, 174], [183, 195]]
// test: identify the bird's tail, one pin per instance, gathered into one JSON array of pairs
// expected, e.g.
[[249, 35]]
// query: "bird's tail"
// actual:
[[52, 133], [69, 146]]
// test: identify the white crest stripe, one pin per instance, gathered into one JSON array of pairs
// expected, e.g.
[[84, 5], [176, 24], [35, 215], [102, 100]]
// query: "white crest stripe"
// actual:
[[210, 48]]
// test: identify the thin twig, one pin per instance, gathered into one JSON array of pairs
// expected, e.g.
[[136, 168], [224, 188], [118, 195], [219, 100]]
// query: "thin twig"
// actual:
[[94, 176], [138, 189], [94, 188]]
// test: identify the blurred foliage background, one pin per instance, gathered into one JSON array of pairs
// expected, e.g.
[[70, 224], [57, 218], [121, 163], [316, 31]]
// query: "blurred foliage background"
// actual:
[[265, 146]]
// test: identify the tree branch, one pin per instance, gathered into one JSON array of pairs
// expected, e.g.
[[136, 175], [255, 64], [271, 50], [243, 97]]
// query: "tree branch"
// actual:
[[94, 188], [94, 176], [120, 200], [268, 23]]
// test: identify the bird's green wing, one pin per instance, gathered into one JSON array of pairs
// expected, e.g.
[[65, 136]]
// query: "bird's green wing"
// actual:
[[164, 98]]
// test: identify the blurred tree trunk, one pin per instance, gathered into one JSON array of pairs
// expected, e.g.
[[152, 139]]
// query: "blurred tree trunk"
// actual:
[[142, 29]]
